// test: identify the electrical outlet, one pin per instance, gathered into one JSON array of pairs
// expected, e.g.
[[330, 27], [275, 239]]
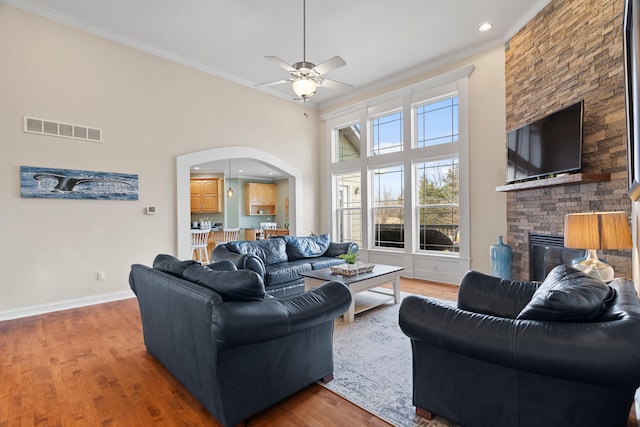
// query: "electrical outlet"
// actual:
[[101, 275]]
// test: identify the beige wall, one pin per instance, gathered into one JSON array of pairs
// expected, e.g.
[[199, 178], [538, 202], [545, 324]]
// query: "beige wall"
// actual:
[[487, 149], [150, 111]]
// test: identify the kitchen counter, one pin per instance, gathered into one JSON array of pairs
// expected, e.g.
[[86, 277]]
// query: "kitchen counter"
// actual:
[[254, 233]]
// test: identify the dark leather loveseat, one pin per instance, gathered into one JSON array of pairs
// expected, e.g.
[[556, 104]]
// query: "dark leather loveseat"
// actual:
[[280, 260], [521, 354], [237, 350]]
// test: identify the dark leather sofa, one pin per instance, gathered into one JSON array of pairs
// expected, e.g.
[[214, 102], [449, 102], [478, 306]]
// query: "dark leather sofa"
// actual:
[[236, 349], [521, 354], [280, 260]]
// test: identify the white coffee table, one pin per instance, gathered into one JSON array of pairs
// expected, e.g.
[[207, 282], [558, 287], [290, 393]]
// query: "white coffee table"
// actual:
[[381, 274]]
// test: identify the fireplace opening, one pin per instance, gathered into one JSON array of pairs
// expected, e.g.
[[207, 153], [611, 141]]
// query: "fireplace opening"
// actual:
[[546, 252]]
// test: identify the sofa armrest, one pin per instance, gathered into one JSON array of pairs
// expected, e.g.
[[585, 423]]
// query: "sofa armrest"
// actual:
[[481, 293], [599, 352], [237, 324], [221, 252], [254, 263], [339, 248], [241, 261]]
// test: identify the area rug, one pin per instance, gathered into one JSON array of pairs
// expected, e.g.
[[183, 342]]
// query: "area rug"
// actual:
[[372, 367]]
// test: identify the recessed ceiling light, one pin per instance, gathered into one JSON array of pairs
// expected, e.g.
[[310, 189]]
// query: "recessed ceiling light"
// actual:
[[196, 167], [485, 27]]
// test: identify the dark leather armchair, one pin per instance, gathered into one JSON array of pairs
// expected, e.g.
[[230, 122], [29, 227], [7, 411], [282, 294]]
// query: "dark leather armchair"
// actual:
[[235, 349], [484, 363]]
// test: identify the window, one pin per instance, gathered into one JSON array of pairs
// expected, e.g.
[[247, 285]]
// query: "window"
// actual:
[[437, 122], [437, 204], [386, 133], [388, 206], [348, 142], [348, 208], [401, 189]]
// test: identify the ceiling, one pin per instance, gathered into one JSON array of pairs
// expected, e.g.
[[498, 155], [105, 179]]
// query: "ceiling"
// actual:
[[241, 169], [381, 40]]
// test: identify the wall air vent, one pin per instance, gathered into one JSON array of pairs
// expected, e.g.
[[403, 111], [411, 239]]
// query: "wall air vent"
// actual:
[[64, 130]]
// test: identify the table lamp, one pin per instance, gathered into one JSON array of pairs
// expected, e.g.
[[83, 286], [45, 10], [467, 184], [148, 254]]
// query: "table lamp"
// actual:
[[593, 231]]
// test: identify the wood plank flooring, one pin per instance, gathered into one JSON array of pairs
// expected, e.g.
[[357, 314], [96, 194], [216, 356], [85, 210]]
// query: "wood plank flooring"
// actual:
[[89, 367]]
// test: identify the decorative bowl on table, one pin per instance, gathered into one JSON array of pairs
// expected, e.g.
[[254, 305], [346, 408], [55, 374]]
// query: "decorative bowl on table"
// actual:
[[352, 269]]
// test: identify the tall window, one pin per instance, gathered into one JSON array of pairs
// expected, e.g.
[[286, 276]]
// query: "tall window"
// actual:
[[437, 204], [386, 133], [348, 208], [388, 206], [411, 164], [437, 122], [348, 142]]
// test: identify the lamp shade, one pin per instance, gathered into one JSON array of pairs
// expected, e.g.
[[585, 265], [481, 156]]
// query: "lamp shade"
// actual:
[[304, 87], [597, 230]]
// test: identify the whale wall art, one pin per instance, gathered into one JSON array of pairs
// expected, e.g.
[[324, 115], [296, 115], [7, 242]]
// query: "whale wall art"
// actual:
[[52, 183]]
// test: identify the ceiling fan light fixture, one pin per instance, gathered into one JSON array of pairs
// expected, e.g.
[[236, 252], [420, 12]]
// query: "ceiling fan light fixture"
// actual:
[[306, 76], [304, 87]]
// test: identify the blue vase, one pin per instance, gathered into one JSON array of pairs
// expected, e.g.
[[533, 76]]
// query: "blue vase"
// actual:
[[501, 260]]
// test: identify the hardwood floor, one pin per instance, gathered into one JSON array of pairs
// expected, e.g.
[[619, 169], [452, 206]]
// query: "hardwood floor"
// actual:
[[89, 367]]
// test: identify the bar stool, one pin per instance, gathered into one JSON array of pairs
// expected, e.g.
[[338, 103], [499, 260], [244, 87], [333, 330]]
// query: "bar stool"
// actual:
[[229, 235], [199, 240]]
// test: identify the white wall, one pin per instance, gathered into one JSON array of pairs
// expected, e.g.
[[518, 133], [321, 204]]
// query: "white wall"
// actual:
[[487, 149], [150, 110]]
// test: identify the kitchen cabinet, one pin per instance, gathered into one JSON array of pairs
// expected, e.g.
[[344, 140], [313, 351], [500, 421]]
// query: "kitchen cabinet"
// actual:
[[260, 199], [206, 195]]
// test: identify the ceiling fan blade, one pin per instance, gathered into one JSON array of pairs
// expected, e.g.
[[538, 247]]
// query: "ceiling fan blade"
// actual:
[[329, 64], [280, 62], [336, 85], [277, 82]]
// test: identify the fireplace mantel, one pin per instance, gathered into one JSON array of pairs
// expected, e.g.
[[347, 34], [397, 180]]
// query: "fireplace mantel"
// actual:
[[569, 179]]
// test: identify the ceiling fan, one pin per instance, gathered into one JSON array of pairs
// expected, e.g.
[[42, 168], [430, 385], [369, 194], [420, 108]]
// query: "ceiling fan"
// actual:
[[306, 77]]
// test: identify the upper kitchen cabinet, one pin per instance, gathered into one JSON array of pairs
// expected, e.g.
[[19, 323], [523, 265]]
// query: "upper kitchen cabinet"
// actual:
[[260, 199], [206, 195]]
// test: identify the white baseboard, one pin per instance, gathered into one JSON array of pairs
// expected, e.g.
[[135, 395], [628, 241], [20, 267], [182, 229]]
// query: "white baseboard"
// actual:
[[64, 305]]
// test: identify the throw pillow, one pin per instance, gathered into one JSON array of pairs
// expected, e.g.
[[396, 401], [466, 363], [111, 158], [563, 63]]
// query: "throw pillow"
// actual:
[[270, 251], [307, 247], [339, 248], [569, 295], [240, 285], [224, 265], [171, 265]]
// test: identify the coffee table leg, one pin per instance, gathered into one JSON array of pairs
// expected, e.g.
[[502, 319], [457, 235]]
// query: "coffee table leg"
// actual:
[[396, 289], [349, 315]]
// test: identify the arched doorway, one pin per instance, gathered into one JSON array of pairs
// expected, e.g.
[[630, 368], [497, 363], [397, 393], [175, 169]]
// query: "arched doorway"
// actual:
[[184, 163]]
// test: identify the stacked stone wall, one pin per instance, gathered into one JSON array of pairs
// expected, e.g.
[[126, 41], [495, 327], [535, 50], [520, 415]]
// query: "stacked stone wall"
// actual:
[[571, 51]]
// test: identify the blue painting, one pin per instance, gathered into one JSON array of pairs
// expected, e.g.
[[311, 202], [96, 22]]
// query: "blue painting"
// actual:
[[52, 183]]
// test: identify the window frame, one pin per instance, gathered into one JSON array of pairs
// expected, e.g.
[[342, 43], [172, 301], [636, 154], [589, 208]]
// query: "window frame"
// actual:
[[438, 87]]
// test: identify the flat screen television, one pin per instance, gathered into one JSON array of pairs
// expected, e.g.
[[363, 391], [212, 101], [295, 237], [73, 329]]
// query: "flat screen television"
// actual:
[[551, 145]]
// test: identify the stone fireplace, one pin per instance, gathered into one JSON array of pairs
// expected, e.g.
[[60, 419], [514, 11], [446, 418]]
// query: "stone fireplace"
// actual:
[[546, 252], [568, 52]]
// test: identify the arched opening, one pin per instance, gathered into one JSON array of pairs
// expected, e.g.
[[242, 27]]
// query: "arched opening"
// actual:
[[184, 163]]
